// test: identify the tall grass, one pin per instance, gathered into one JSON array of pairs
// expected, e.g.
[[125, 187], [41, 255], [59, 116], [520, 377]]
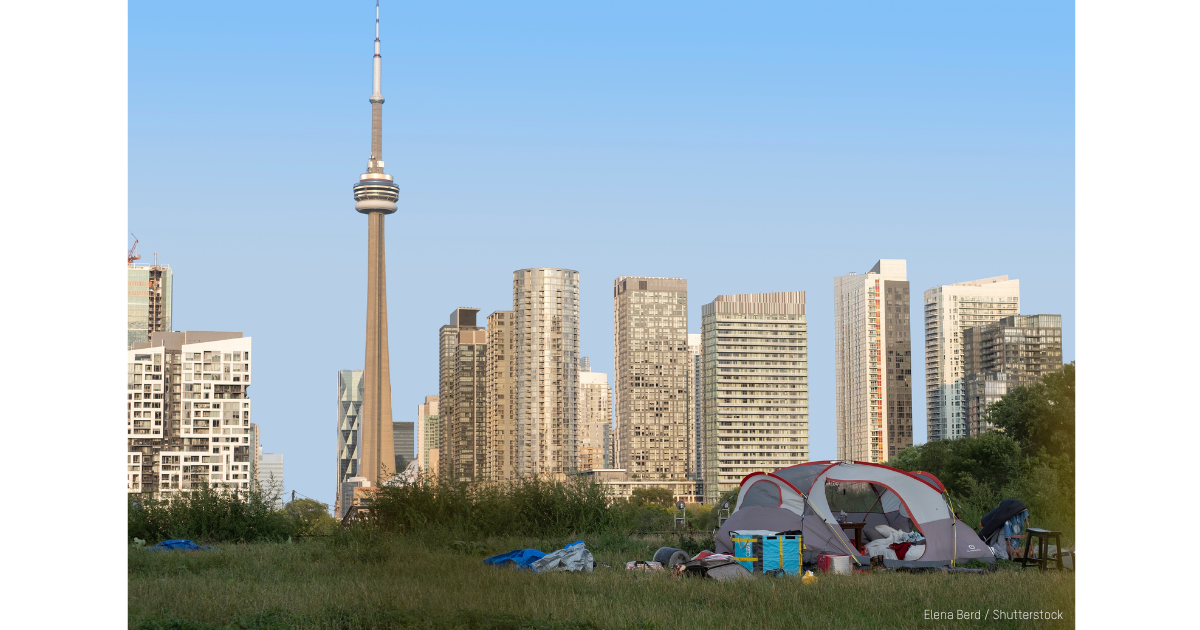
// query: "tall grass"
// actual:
[[525, 507], [207, 514], [364, 579]]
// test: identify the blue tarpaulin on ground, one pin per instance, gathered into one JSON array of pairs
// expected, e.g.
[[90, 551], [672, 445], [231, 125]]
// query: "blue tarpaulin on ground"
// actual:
[[185, 545], [522, 558]]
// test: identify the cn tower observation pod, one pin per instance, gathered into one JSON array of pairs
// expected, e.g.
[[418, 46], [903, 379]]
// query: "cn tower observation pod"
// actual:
[[376, 192]]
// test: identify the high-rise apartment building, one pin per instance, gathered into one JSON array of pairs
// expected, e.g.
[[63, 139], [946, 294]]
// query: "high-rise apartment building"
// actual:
[[462, 397], [428, 434], [608, 445], [546, 370], [949, 309], [403, 438], [501, 407], [188, 412], [1012, 352], [349, 428], [149, 297], [755, 386], [595, 417], [653, 373], [696, 406], [873, 363], [270, 476]]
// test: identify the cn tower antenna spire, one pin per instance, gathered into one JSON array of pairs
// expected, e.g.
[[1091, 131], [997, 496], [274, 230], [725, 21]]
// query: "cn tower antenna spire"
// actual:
[[375, 164]]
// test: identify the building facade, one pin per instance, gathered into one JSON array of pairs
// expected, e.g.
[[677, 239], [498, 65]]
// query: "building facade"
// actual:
[[1012, 352], [349, 428], [345, 498], [149, 298], [428, 433], [188, 412], [949, 309], [595, 418], [403, 442], [270, 476], [653, 373], [755, 387], [619, 484], [501, 408], [873, 363], [545, 374], [696, 406], [462, 397]]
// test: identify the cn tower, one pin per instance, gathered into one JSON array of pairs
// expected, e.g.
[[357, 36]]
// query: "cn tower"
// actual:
[[375, 195]]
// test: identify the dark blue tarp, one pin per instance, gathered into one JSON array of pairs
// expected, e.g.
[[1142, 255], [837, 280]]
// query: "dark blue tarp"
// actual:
[[522, 558], [185, 545]]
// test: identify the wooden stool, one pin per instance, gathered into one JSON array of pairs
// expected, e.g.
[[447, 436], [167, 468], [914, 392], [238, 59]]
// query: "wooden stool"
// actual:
[[1043, 536]]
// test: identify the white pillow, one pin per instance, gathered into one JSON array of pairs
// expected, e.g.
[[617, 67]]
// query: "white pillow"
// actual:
[[886, 531]]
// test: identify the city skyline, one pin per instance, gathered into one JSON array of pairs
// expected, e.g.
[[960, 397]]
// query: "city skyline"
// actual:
[[920, 147]]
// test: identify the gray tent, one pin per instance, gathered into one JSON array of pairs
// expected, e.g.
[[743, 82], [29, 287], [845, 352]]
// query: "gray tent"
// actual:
[[903, 501]]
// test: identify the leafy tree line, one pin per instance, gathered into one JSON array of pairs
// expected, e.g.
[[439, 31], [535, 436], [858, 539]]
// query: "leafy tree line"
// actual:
[[1031, 456]]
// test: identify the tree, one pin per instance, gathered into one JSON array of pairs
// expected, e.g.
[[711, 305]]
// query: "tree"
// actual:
[[651, 496], [1040, 417], [312, 516]]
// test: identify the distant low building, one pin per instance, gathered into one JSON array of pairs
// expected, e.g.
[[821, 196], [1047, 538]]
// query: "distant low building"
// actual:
[[346, 494], [270, 476], [621, 485]]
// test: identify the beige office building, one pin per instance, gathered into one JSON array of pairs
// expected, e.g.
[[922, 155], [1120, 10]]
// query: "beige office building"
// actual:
[[462, 397], [546, 370], [755, 386], [653, 368], [1013, 352], [872, 363], [501, 414], [949, 309], [428, 434], [595, 418]]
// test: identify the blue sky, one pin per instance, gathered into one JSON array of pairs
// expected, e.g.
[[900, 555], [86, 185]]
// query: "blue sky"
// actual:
[[766, 147]]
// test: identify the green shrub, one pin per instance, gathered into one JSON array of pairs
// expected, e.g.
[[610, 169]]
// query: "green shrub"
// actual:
[[207, 514], [526, 507]]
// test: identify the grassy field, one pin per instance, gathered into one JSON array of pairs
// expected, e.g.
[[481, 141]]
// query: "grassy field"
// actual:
[[380, 581]]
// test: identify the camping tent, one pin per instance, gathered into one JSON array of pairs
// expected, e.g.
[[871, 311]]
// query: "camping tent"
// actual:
[[873, 494]]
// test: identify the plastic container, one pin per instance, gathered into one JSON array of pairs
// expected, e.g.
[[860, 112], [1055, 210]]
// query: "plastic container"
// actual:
[[830, 563]]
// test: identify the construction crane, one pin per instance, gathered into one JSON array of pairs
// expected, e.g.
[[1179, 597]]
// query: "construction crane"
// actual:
[[132, 254]]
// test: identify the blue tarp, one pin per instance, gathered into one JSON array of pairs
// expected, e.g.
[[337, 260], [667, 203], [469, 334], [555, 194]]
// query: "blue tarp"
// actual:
[[522, 558], [185, 545]]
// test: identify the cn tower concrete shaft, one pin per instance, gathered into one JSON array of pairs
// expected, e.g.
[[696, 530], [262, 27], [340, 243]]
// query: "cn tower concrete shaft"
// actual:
[[377, 443]]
